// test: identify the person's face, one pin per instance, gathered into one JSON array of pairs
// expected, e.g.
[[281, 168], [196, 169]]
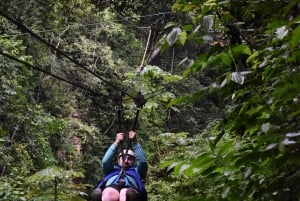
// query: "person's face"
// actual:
[[126, 161]]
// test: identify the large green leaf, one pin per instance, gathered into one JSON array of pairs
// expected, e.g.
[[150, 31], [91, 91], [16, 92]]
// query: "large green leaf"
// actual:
[[222, 58], [295, 37], [202, 161], [240, 49]]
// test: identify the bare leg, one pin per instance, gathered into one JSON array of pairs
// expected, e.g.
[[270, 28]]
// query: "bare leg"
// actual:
[[123, 194], [128, 194], [110, 194]]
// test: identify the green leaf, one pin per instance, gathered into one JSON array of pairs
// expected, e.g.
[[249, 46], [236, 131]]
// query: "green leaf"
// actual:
[[240, 49], [225, 147], [179, 100], [170, 24], [181, 167], [168, 164], [188, 27], [295, 37], [202, 160], [210, 171], [222, 58], [296, 20], [182, 38], [293, 114], [253, 60], [264, 115], [219, 136], [226, 59], [295, 57], [255, 110], [248, 155], [150, 105], [199, 64], [276, 23]]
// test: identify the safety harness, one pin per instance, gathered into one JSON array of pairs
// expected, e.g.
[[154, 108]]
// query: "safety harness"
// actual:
[[130, 172]]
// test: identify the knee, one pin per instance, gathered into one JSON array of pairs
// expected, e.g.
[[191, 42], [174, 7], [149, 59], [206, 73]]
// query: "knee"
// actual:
[[130, 194], [110, 194], [96, 194]]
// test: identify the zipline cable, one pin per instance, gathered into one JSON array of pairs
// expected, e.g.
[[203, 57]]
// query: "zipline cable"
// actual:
[[140, 68], [77, 25], [98, 94], [23, 27], [139, 99], [76, 62], [52, 75]]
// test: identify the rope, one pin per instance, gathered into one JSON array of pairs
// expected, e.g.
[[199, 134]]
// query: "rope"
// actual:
[[140, 68], [139, 99]]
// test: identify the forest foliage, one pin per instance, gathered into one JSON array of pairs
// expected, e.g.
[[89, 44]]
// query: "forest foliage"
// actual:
[[221, 81]]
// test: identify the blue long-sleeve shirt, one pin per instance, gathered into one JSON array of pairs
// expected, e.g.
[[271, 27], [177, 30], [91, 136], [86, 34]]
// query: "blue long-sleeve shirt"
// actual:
[[141, 162]]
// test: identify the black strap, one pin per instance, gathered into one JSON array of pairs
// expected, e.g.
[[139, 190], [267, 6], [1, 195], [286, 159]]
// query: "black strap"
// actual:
[[139, 101], [117, 101]]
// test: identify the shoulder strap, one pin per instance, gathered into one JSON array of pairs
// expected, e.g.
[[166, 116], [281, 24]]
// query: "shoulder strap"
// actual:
[[132, 173], [104, 180]]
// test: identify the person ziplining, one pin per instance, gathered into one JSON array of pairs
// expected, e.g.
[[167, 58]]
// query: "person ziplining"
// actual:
[[124, 181]]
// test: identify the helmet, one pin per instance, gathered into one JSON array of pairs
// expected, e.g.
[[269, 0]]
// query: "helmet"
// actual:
[[128, 152]]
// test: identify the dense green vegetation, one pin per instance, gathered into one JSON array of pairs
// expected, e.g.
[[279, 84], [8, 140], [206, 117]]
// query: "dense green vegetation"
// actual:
[[221, 79]]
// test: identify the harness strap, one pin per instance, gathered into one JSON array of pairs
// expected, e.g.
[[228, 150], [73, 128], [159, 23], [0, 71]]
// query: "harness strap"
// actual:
[[131, 173], [122, 181]]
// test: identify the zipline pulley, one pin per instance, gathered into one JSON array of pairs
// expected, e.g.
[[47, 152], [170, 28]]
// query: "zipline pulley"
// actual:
[[139, 100]]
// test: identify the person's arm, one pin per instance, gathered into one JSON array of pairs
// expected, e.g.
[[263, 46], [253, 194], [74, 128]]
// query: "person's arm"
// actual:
[[141, 161], [107, 161]]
